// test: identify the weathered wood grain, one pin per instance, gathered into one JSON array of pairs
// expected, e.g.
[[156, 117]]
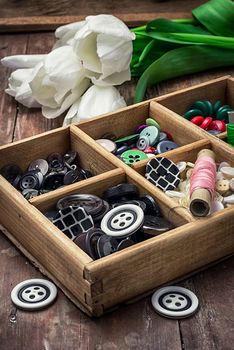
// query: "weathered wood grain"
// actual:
[[31, 15]]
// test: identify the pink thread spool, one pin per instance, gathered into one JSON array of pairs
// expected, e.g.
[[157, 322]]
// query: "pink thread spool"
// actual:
[[200, 198]]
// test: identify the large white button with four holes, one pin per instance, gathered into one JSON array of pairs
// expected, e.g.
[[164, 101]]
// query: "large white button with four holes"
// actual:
[[33, 294], [175, 302], [123, 220]]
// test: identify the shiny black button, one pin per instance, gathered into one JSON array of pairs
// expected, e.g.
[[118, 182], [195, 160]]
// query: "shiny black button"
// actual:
[[121, 192], [92, 204], [70, 177], [154, 225], [70, 157], [52, 181], [39, 164], [29, 180], [152, 207]]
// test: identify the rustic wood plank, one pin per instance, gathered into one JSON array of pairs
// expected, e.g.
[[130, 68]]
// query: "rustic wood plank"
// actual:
[[9, 45], [33, 15], [212, 327]]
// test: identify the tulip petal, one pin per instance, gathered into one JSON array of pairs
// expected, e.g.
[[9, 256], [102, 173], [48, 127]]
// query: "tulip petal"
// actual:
[[85, 48], [113, 79], [99, 100], [72, 114], [19, 86], [73, 96], [114, 53], [110, 25], [68, 28], [22, 61]]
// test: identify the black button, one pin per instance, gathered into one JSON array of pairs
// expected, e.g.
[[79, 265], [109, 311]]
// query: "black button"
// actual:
[[29, 180], [11, 172], [52, 181]]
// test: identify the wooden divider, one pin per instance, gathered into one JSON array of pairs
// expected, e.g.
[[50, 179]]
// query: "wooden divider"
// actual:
[[94, 185]]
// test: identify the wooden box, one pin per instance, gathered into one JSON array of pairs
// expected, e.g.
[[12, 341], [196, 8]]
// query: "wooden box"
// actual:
[[98, 286]]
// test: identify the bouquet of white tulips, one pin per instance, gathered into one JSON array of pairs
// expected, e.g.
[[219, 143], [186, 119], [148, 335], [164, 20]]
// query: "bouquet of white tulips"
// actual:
[[78, 76], [91, 57]]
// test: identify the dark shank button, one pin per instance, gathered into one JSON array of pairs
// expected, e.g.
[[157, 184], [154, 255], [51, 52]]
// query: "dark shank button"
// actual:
[[152, 207], [52, 181], [121, 192]]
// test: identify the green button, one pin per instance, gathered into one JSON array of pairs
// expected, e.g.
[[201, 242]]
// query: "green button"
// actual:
[[193, 113], [152, 122], [152, 133], [133, 156], [128, 138], [216, 107]]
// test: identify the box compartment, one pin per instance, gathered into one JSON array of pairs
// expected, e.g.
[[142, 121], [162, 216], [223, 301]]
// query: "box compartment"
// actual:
[[60, 140], [221, 89]]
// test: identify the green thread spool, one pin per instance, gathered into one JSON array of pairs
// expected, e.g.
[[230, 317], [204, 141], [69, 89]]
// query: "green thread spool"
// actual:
[[230, 134]]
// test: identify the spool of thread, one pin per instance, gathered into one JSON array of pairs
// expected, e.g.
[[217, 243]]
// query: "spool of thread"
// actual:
[[202, 183]]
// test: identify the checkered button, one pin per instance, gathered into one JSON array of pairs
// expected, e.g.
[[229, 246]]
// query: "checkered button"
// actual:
[[163, 173], [73, 221]]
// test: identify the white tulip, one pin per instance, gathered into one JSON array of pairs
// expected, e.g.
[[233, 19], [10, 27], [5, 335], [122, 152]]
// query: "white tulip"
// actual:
[[22, 61], [104, 45], [66, 33], [59, 81], [95, 101], [19, 86]]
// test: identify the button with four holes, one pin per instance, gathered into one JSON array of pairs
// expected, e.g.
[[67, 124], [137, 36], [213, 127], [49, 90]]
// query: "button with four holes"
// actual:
[[175, 302], [133, 156], [123, 220], [34, 294]]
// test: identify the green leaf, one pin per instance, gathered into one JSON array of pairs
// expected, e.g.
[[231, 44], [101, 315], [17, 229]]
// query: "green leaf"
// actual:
[[168, 26], [182, 61], [217, 16], [193, 39]]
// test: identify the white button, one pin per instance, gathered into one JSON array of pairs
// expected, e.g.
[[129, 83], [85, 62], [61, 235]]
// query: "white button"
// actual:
[[229, 199], [107, 144], [181, 166], [123, 220], [228, 172], [174, 302], [33, 294]]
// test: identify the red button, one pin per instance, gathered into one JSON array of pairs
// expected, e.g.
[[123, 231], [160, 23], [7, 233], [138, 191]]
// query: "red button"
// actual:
[[149, 149], [198, 120], [218, 125], [205, 124]]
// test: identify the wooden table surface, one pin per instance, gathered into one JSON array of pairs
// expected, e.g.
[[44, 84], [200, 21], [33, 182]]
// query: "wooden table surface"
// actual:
[[62, 326]]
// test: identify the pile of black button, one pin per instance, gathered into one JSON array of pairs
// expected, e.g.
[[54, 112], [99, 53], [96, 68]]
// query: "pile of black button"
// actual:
[[43, 176], [102, 226]]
